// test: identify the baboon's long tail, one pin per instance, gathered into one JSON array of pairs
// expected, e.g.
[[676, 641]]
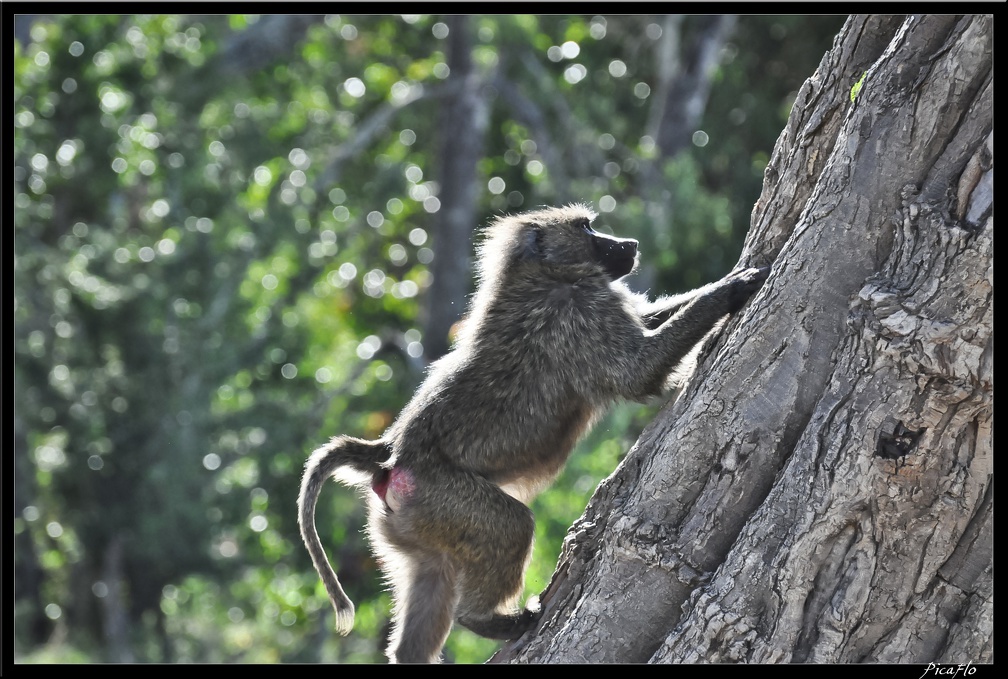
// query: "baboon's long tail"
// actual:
[[342, 451]]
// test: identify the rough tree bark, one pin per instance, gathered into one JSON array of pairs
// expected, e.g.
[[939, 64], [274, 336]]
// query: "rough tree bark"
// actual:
[[822, 489]]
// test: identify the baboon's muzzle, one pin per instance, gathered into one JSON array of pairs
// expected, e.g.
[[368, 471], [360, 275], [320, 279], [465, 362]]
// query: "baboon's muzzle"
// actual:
[[617, 255]]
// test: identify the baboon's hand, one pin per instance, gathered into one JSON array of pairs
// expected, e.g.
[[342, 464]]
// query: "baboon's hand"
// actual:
[[742, 284]]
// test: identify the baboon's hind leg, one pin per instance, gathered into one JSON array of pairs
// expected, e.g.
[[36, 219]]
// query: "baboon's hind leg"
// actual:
[[424, 610], [494, 569]]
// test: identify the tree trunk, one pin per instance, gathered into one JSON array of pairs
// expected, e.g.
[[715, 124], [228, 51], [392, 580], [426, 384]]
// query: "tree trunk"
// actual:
[[115, 618], [463, 126], [822, 489], [685, 75], [686, 64]]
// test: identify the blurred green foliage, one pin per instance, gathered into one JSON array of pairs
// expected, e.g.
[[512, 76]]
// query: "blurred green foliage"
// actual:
[[211, 257]]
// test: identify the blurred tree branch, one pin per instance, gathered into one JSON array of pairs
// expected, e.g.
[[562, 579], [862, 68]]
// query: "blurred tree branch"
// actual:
[[267, 41]]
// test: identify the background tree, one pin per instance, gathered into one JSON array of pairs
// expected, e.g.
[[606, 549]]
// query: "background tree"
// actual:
[[228, 231], [823, 489]]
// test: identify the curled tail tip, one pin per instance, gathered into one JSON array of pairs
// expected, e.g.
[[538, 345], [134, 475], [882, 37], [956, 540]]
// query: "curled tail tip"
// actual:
[[344, 620]]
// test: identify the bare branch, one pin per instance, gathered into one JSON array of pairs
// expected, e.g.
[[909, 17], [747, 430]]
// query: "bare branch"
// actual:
[[264, 42], [376, 123], [529, 113]]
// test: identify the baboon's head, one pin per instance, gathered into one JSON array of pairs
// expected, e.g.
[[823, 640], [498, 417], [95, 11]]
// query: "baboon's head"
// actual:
[[560, 238]]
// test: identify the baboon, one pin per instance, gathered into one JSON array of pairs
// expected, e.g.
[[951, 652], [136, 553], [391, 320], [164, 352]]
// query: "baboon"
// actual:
[[552, 338]]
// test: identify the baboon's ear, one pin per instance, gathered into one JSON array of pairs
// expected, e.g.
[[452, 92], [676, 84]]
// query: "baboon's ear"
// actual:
[[530, 245]]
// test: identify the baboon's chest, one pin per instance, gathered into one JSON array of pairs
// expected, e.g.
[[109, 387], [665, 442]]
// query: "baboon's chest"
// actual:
[[542, 454]]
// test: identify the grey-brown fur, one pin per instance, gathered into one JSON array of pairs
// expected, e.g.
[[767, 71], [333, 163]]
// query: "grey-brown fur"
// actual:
[[552, 338]]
